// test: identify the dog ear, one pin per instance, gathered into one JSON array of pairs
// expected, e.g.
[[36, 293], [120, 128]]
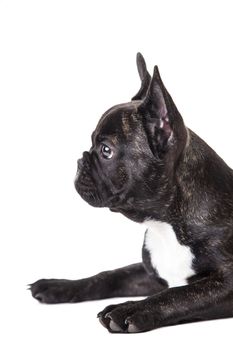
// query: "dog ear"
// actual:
[[156, 108], [144, 76]]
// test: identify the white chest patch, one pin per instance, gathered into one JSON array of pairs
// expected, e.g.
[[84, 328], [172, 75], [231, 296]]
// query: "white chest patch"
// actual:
[[172, 260]]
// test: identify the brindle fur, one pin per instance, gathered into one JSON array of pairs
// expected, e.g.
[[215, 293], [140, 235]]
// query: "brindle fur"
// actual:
[[161, 171]]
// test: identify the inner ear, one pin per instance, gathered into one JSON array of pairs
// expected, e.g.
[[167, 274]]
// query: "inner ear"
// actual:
[[155, 109], [156, 101], [159, 112]]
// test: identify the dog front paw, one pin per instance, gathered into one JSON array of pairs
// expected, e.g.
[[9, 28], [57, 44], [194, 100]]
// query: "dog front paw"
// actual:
[[129, 317], [52, 291]]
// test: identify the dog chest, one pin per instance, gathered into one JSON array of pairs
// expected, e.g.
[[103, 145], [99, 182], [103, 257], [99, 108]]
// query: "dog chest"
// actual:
[[172, 260]]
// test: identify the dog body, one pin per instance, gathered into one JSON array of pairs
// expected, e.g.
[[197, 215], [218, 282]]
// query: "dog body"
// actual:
[[146, 164]]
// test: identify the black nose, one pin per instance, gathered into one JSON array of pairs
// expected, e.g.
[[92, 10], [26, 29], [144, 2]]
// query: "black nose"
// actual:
[[84, 159], [86, 156], [80, 163]]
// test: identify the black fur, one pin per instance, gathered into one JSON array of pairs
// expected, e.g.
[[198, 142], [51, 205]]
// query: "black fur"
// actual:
[[158, 169]]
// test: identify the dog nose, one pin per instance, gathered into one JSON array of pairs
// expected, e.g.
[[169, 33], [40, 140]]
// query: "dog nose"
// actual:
[[86, 156], [80, 163]]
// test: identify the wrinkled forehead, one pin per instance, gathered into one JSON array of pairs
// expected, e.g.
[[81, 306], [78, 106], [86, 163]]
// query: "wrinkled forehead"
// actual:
[[119, 120]]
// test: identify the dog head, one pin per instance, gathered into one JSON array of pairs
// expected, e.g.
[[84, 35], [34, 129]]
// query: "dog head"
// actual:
[[135, 146]]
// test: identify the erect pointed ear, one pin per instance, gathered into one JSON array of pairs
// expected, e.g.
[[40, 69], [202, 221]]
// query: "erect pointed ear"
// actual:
[[144, 76], [156, 108]]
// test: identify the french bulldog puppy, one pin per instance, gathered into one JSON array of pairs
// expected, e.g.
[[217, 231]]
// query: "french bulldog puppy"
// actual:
[[146, 164]]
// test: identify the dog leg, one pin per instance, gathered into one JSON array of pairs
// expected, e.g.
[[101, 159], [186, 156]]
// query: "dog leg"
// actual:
[[205, 299], [131, 280]]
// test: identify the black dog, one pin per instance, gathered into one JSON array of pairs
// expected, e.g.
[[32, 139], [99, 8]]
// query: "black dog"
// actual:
[[145, 164]]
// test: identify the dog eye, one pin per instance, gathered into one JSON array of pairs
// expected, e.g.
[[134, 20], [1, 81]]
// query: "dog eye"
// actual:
[[106, 152]]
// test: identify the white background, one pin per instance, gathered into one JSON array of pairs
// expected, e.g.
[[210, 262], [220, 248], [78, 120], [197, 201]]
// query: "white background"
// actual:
[[62, 64]]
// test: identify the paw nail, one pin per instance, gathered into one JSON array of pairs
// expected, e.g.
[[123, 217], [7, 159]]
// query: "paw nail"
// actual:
[[128, 321], [102, 322], [39, 297], [133, 329], [108, 316], [114, 327]]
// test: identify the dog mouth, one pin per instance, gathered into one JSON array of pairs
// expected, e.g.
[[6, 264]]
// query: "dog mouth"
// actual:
[[91, 186], [85, 184], [87, 192]]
